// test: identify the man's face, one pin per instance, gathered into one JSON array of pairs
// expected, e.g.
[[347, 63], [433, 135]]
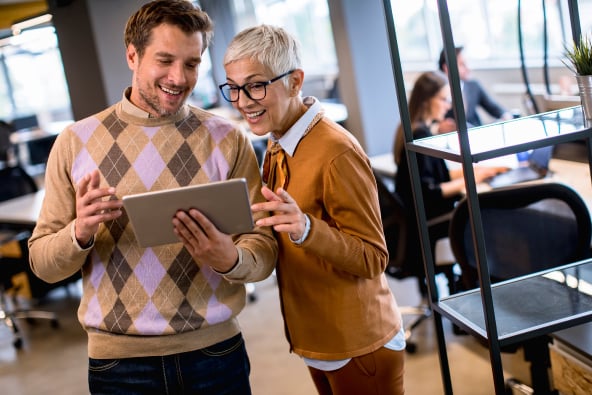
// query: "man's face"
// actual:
[[167, 72], [463, 68]]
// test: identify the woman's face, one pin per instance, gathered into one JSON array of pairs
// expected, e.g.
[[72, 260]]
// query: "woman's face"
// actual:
[[440, 104], [278, 110]]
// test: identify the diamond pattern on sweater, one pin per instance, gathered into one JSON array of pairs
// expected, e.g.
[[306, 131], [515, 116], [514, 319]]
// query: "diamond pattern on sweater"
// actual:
[[114, 125], [150, 321], [83, 164], [93, 316], [149, 165], [149, 271], [117, 227], [188, 125], [216, 167], [186, 318], [183, 271], [183, 165], [218, 127], [114, 165], [118, 270], [118, 320], [85, 128], [97, 272]]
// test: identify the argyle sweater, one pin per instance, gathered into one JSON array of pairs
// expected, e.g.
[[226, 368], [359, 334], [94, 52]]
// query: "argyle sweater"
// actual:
[[148, 301]]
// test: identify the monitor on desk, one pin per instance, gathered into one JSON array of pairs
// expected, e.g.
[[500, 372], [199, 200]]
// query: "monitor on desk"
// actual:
[[25, 122]]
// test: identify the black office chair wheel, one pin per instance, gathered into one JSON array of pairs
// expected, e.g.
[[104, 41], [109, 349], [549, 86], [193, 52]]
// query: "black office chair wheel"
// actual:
[[410, 347], [55, 324]]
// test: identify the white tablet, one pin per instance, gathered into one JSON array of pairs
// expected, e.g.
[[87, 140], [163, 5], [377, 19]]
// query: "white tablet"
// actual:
[[225, 203]]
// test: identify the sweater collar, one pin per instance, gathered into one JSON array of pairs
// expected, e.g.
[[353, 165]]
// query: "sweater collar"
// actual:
[[131, 109]]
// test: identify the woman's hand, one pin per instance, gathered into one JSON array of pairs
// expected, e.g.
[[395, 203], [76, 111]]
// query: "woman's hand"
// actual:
[[286, 216]]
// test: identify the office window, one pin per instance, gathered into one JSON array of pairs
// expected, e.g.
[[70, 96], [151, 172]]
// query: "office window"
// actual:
[[487, 29], [309, 22], [32, 79], [205, 93]]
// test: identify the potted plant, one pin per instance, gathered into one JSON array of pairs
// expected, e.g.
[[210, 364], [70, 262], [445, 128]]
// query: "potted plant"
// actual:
[[579, 61]]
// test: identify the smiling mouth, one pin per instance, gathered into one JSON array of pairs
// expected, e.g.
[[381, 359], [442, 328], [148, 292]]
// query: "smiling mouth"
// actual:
[[253, 115], [171, 91]]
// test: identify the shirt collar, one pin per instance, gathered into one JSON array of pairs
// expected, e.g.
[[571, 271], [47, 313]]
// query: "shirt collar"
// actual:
[[292, 137]]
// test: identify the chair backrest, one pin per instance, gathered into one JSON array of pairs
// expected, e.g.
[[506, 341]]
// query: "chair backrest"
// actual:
[[394, 223], [527, 228], [5, 145], [14, 182]]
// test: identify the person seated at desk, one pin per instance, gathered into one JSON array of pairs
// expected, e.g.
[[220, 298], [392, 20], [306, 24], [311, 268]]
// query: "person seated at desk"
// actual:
[[441, 188], [474, 96]]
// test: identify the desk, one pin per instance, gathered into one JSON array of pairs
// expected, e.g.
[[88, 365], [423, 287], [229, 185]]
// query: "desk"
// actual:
[[384, 164], [574, 174], [33, 145], [24, 136], [22, 211]]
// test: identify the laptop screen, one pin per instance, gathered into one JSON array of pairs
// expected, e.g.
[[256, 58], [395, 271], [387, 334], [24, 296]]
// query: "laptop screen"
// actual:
[[539, 158]]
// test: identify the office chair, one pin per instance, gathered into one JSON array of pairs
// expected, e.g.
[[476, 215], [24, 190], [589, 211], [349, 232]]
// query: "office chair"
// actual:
[[14, 257], [550, 226], [527, 228], [5, 144], [405, 258]]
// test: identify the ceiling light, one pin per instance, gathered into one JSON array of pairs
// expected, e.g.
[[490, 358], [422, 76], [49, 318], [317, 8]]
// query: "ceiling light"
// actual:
[[18, 27]]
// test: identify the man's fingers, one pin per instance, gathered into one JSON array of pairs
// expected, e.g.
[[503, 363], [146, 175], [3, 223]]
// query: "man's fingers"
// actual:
[[95, 179]]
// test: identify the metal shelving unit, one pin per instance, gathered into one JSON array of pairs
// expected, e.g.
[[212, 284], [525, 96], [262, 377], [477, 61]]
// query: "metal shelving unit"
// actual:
[[476, 311]]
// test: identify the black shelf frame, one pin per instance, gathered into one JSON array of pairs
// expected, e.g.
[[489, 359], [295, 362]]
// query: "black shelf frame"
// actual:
[[485, 328]]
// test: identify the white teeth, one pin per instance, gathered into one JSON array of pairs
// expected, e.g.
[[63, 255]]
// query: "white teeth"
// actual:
[[170, 91], [254, 114]]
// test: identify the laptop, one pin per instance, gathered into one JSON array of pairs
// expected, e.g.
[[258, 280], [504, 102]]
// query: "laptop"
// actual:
[[536, 168], [225, 203]]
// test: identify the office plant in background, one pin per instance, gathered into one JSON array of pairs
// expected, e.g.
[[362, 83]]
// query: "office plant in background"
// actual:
[[579, 61]]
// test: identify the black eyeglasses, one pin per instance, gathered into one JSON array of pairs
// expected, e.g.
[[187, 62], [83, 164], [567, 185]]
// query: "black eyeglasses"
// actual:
[[253, 90]]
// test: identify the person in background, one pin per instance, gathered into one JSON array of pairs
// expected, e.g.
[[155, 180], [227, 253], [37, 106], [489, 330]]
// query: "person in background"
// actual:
[[429, 102], [339, 313], [474, 96], [162, 319]]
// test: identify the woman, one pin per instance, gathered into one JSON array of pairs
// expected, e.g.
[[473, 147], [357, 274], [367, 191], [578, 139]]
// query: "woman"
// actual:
[[339, 312], [441, 188], [428, 104]]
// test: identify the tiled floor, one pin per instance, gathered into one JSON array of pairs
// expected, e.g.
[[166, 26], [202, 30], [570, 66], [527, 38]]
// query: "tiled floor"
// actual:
[[54, 362]]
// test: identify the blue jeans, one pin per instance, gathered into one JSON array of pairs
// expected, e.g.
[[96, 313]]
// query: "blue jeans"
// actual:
[[219, 369]]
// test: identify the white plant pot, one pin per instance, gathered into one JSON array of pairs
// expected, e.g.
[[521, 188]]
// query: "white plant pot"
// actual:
[[585, 87]]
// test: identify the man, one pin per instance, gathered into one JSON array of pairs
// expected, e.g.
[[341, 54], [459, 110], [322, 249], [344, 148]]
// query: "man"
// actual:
[[162, 319], [474, 96], [339, 312]]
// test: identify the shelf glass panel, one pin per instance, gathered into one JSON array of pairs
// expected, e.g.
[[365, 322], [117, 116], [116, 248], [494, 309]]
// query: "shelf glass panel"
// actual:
[[509, 137], [540, 303]]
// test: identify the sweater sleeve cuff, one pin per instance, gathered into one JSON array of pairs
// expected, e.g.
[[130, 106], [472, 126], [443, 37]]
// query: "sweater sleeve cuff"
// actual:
[[235, 267], [90, 244]]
